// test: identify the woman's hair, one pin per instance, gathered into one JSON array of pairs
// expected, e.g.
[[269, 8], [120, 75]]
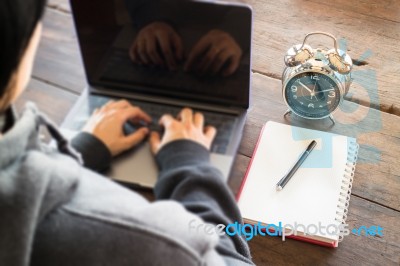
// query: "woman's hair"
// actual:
[[18, 20]]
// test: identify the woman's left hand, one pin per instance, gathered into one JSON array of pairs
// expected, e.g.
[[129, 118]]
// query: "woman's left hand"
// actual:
[[107, 124]]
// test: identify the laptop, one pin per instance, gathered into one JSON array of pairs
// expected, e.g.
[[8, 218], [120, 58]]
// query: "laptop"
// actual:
[[107, 31]]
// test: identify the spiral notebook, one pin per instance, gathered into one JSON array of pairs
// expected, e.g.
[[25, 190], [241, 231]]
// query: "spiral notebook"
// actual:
[[317, 196]]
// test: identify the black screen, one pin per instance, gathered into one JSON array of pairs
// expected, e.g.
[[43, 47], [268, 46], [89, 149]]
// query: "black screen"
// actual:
[[175, 48]]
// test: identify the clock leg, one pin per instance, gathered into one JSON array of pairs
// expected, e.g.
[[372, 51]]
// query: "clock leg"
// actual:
[[288, 112], [332, 119]]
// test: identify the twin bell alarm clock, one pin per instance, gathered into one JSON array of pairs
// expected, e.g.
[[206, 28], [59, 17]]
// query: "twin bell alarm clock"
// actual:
[[315, 81]]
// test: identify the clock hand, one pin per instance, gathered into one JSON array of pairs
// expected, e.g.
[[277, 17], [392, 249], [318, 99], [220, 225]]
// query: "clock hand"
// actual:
[[308, 89], [305, 87], [313, 91], [326, 90]]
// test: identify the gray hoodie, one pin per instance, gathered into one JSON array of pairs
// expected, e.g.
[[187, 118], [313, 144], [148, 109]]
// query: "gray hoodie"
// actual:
[[56, 212]]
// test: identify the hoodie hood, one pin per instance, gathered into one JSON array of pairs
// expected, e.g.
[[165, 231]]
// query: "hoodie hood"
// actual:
[[28, 187]]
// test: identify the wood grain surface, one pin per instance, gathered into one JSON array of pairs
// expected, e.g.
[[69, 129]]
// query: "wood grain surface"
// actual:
[[372, 40], [58, 58], [371, 113]]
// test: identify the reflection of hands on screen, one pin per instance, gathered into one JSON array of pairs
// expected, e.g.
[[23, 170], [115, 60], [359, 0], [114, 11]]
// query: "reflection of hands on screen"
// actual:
[[157, 44], [188, 125], [215, 53]]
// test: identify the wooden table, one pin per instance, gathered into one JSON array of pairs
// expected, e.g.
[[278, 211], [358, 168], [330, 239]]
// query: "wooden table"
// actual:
[[370, 113]]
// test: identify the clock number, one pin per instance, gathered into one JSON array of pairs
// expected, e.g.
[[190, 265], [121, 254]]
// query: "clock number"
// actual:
[[311, 105], [293, 88], [315, 77], [332, 94]]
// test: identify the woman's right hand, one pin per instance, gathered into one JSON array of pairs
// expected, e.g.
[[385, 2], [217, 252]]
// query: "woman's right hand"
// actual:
[[107, 124], [187, 125]]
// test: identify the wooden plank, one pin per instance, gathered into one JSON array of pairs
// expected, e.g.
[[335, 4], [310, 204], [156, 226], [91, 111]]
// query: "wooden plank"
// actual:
[[280, 24], [378, 170], [53, 101], [62, 5], [238, 171], [357, 250], [58, 59], [384, 9]]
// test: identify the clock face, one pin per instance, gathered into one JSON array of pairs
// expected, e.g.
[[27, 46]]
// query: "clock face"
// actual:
[[312, 94]]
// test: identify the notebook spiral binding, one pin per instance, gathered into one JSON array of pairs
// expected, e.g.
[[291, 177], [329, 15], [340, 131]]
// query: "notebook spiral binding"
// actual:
[[344, 197]]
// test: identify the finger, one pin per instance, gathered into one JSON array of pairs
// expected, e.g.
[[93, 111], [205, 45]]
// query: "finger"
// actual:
[[142, 52], [210, 133], [186, 115], [107, 105], [208, 59], [198, 120], [153, 53], [132, 53], [134, 113], [219, 62], [135, 138], [235, 62], [154, 142], [137, 56], [120, 104], [197, 50], [166, 120], [165, 46], [178, 46]]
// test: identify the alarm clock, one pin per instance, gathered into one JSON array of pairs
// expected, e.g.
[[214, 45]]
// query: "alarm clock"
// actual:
[[315, 81]]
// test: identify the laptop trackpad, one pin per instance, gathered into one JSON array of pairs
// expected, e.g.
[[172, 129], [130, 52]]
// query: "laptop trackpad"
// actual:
[[135, 167], [138, 167]]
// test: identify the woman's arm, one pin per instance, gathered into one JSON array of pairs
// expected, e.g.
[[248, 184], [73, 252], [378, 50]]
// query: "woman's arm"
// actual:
[[187, 176]]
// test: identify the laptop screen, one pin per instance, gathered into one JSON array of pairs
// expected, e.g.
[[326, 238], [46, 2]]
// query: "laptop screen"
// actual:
[[174, 48]]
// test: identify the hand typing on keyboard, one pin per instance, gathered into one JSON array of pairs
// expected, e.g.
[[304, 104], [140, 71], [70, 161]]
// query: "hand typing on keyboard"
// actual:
[[223, 123], [106, 123], [187, 125]]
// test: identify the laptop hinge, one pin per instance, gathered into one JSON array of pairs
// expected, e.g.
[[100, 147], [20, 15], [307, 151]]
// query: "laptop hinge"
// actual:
[[166, 100]]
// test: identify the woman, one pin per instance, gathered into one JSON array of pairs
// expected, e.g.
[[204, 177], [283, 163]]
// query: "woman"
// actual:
[[56, 212]]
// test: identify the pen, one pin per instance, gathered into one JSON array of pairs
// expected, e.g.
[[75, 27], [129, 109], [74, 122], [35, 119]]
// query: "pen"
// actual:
[[282, 183]]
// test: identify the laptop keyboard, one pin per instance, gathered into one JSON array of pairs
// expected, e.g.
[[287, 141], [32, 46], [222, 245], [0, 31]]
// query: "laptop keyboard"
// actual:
[[223, 123]]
